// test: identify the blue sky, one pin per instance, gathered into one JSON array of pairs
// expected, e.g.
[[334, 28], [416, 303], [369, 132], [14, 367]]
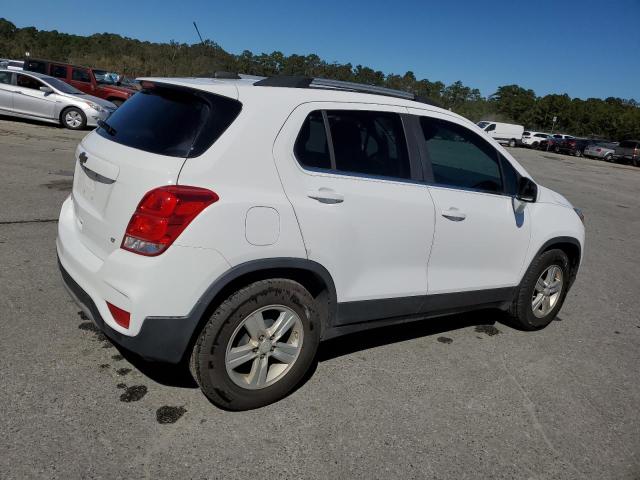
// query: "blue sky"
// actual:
[[583, 48]]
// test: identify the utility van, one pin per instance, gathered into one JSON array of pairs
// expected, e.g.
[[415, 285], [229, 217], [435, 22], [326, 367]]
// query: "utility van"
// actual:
[[505, 133]]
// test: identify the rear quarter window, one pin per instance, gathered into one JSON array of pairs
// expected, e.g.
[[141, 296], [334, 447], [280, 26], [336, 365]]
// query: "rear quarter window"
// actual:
[[177, 122]]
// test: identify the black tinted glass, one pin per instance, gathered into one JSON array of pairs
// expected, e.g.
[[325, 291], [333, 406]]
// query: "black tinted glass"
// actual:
[[170, 121], [36, 66], [510, 177], [5, 77], [368, 142], [459, 157], [628, 144], [58, 71], [80, 75], [311, 147], [29, 82]]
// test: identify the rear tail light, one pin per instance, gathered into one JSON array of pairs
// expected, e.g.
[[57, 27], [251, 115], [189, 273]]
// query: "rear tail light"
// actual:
[[162, 215], [121, 317]]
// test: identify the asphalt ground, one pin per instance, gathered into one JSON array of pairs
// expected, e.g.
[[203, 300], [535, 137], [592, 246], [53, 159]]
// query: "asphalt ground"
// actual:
[[456, 397]]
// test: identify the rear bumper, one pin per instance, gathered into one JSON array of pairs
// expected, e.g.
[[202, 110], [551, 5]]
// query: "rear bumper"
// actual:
[[163, 339], [161, 293]]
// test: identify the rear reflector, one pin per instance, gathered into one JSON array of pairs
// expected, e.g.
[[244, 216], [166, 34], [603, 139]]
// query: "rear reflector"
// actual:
[[121, 317], [162, 215]]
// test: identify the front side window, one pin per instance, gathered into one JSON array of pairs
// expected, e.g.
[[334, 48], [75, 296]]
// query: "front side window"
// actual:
[[491, 127], [58, 71], [369, 142], [459, 157], [80, 75], [26, 81], [5, 77]]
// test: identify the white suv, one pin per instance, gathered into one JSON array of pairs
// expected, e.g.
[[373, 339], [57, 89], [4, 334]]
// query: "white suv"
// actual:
[[533, 139], [234, 224]]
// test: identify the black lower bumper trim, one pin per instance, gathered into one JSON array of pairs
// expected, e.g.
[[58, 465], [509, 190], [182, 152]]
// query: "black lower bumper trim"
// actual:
[[162, 339]]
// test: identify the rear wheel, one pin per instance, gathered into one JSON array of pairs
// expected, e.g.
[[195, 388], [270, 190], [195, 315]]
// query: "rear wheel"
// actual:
[[534, 145], [608, 157], [512, 142], [73, 118], [542, 291], [257, 345]]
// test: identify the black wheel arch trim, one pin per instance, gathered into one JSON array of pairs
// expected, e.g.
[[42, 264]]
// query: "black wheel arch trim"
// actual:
[[559, 241]]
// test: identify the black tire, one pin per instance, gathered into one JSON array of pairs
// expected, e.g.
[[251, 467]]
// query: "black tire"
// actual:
[[534, 145], [118, 103], [207, 363], [578, 153], [521, 311], [512, 142], [73, 118], [608, 157], [556, 149]]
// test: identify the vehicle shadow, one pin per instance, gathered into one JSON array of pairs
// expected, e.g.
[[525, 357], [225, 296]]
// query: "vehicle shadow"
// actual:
[[180, 377]]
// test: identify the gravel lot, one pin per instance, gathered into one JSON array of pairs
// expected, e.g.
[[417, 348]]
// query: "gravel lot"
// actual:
[[457, 397]]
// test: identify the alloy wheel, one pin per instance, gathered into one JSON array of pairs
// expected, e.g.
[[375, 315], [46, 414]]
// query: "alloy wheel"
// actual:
[[73, 119], [547, 290], [264, 347]]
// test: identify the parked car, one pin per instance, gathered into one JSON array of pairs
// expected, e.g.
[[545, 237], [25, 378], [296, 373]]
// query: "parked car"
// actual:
[[40, 97], [184, 241], [628, 151], [505, 133], [533, 139], [574, 146], [600, 150], [8, 64], [89, 80]]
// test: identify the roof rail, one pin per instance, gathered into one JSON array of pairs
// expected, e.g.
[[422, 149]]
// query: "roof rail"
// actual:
[[293, 81]]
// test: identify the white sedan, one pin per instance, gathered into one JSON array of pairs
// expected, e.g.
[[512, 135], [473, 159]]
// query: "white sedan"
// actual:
[[40, 97]]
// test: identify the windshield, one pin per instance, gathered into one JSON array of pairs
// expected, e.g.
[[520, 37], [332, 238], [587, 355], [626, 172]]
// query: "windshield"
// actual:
[[176, 122], [483, 124], [62, 86], [103, 76]]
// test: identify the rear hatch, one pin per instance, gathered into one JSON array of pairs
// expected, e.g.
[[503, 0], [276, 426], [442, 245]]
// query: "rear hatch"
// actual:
[[143, 145]]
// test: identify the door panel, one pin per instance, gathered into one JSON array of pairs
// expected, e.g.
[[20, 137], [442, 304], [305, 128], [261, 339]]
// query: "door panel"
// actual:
[[6, 91], [29, 100], [482, 246], [480, 242], [373, 235]]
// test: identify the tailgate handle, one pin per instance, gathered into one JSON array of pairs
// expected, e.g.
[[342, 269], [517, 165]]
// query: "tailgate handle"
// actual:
[[93, 174]]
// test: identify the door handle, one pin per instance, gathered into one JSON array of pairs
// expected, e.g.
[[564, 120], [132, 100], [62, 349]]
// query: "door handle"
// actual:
[[454, 214], [326, 195]]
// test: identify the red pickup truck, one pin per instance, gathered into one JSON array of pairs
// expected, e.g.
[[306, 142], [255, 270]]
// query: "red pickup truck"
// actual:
[[88, 80]]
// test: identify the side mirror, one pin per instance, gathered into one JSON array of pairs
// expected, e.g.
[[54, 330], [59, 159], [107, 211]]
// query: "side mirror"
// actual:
[[527, 190], [46, 89]]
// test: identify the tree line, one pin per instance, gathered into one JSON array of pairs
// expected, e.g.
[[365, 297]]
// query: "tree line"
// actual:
[[610, 118]]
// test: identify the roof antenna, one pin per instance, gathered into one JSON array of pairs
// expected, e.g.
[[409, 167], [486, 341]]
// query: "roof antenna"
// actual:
[[198, 31]]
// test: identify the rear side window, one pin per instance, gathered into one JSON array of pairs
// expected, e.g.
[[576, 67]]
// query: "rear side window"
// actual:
[[362, 142], [459, 157], [5, 77], [177, 122], [311, 148], [58, 71], [80, 75], [369, 142]]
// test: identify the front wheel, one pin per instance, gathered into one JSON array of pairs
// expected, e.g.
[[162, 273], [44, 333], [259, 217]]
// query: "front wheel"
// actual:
[[73, 118], [257, 345], [542, 291]]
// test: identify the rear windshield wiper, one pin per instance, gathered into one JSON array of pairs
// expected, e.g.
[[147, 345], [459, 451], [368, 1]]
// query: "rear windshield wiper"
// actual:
[[107, 128]]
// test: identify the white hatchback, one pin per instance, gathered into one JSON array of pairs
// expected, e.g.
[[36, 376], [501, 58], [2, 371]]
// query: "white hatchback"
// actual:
[[233, 224]]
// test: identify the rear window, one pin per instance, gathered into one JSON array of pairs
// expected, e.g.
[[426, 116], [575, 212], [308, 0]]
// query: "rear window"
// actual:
[[176, 122]]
